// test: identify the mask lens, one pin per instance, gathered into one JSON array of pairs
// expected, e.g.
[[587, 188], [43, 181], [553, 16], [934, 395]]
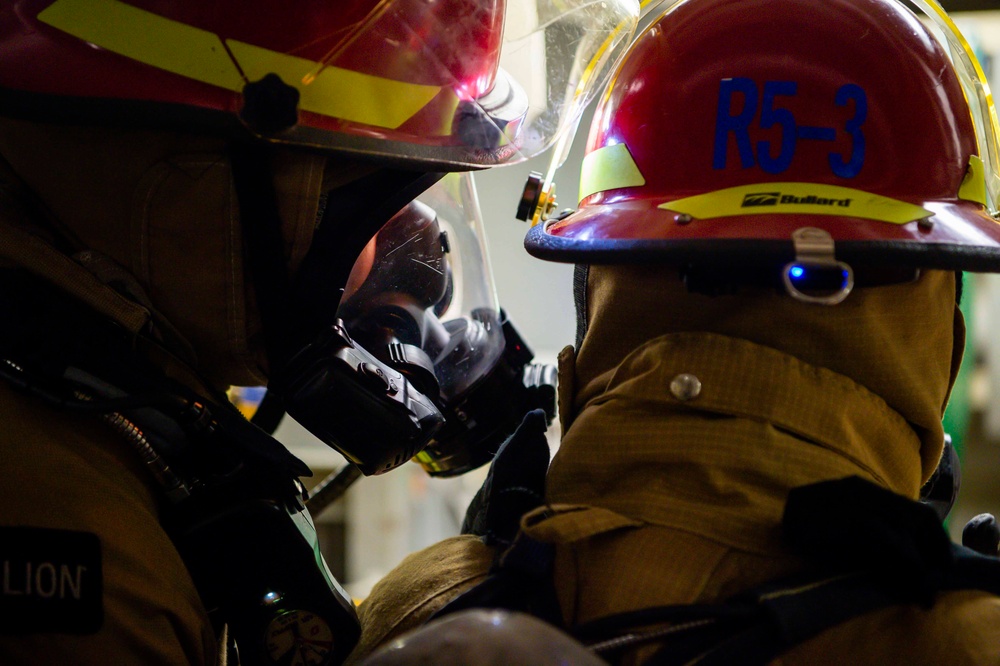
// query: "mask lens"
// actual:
[[421, 297]]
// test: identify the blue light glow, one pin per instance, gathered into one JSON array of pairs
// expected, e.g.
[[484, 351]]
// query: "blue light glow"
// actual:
[[796, 272]]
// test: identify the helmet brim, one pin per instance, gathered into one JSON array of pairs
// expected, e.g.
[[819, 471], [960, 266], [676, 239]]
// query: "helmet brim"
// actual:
[[959, 235]]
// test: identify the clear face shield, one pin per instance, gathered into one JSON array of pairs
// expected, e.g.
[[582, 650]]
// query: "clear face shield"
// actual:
[[421, 294], [421, 300]]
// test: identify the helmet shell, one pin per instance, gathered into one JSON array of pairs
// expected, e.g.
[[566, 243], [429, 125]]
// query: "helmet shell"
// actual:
[[732, 123]]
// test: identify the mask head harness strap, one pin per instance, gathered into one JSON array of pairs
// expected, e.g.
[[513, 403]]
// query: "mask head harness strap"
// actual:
[[353, 215]]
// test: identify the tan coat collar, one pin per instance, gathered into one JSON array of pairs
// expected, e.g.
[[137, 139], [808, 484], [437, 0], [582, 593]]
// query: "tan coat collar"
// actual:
[[902, 342], [720, 464]]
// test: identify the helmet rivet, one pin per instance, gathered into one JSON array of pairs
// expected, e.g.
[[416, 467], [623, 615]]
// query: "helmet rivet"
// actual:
[[683, 218], [270, 105], [925, 223], [685, 386]]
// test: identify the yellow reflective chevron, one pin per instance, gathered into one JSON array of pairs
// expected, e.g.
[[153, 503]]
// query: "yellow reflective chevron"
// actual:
[[609, 168], [336, 92], [973, 187], [809, 198], [200, 55], [146, 37]]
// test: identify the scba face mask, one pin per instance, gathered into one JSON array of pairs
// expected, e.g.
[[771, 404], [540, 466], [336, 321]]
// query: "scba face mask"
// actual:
[[422, 362], [421, 292]]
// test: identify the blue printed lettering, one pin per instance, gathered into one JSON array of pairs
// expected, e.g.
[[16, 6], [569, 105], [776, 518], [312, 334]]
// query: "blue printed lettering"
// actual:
[[738, 125], [852, 166], [771, 115], [735, 118]]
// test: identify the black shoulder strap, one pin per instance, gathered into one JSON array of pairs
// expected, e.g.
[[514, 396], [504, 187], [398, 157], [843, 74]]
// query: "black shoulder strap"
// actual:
[[869, 549], [866, 549], [764, 623]]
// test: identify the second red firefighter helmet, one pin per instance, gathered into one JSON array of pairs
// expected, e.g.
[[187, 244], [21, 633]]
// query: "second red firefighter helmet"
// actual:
[[765, 131]]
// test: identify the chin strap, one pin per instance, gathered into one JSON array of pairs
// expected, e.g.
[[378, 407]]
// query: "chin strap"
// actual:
[[260, 222]]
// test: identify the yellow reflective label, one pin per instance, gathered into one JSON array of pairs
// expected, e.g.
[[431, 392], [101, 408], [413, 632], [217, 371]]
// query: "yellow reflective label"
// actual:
[[146, 37], [609, 168], [200, 55], [973, 187], [809, 198], [336, 92]]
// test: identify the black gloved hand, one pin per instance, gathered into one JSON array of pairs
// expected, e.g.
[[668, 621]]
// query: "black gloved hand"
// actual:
[[514, 486], [854, 525]]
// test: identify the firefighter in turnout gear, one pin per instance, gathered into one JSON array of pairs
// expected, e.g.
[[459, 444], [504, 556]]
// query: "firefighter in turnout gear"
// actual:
[[778, 201], [199, 197]]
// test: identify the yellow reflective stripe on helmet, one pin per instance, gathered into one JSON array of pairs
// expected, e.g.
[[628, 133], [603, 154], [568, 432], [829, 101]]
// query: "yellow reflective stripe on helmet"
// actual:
[[200, 55], [809, 198], [609, 168], [973, 187], [336, 92], [147, 38]]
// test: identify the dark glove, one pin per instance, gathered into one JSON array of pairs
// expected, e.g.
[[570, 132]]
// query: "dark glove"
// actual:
[[852, 524], [514, 486]]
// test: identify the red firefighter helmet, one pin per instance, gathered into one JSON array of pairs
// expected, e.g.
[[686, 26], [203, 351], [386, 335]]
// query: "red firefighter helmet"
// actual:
[[758, 131], [454, 82]]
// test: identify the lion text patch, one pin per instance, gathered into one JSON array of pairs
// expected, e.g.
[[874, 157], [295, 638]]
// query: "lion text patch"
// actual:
[[50, 581]]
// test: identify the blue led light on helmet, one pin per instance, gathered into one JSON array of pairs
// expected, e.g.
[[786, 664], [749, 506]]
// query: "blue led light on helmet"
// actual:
[[798, 272]]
